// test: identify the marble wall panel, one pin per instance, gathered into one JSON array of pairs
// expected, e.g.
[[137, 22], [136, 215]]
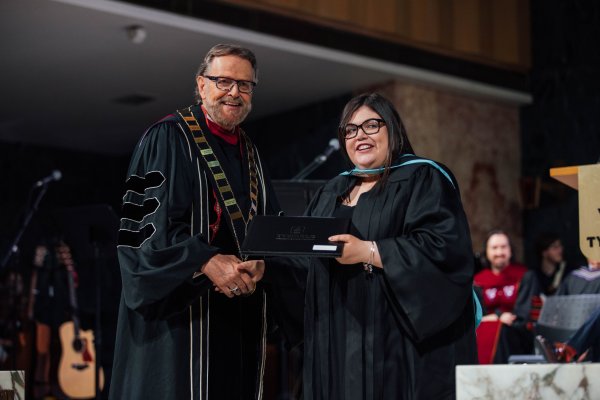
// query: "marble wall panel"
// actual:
[[478, 139], [524, 382], [12, 385]]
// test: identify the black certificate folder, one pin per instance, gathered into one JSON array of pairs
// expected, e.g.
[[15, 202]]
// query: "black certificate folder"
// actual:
[[292, 236]]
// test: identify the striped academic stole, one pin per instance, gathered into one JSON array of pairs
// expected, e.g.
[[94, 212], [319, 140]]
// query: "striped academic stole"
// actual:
[[235, 217]]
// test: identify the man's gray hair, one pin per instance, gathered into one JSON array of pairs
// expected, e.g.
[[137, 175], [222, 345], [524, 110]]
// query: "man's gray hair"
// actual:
[[221, 50]]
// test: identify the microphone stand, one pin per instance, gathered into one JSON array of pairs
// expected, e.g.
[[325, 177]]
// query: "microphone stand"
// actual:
[[98, 322], [13, 249], [320, 159], [14, 246]]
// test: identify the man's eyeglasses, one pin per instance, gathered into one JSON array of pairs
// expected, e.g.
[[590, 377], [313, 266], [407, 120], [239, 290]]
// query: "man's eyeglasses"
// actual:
[[370, 127], [225, 84]]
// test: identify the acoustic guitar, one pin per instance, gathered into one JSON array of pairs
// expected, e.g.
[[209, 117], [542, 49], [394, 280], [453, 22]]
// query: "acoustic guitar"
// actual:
[[77, 367]]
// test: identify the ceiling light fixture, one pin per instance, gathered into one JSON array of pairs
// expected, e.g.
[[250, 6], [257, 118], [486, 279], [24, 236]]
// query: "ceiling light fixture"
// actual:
[[135, 99], [136, 33]]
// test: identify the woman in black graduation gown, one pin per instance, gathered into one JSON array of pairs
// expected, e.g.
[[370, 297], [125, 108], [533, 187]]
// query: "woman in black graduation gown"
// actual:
[[393, 316]]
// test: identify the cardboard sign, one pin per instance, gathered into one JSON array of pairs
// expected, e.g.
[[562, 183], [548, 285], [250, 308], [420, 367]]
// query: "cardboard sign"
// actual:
[[589, 210]]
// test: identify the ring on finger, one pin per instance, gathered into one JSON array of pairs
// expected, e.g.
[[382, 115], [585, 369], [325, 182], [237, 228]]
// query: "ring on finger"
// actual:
[[250, 292]]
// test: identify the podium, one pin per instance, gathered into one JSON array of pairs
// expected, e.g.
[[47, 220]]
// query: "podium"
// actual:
[[294, 196], [586, 180]]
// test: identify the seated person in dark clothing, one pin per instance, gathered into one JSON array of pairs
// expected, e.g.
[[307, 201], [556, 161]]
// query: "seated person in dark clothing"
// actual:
[[583, 345], [584, 280], [546, 275]]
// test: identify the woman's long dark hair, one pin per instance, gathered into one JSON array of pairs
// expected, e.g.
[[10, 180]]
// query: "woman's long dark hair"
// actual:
[[542, 243], [398, 142]]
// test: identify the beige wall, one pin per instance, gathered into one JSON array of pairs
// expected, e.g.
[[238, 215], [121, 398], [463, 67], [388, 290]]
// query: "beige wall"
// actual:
[[479, 141]]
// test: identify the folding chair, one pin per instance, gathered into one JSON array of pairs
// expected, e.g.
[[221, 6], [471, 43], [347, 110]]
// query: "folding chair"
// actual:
[[561, 316]]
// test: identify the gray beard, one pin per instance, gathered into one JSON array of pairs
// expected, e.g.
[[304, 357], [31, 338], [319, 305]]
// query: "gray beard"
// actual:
[[227, 123]]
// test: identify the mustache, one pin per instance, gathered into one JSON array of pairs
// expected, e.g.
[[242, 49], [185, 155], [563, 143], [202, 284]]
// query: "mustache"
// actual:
[[237, 102]]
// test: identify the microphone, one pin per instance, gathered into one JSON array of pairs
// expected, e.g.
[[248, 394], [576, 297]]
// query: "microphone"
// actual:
[[334, 145], [56, 175]]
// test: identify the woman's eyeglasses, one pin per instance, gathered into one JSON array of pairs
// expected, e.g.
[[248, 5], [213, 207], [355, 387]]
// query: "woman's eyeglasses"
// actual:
[[370, 127]]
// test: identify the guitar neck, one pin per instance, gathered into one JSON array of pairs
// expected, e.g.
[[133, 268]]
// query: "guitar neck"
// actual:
[[72, 295]]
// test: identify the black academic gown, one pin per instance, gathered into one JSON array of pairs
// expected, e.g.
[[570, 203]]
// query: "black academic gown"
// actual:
[[399, 332], [176, 337]]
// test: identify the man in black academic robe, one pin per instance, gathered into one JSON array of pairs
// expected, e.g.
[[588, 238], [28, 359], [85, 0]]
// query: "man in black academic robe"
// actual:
[[194, 183]]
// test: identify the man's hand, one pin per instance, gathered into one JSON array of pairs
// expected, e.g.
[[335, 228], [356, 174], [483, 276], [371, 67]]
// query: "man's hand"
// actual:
[[40, 255], [507, 318], [222, 270]]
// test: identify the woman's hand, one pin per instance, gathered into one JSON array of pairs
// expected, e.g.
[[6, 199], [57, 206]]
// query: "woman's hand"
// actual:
[[254, 268], [221, 269], [355, 250]]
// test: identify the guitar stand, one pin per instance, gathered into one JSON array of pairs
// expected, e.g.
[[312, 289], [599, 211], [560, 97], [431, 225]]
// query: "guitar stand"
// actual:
[[91, 232]]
